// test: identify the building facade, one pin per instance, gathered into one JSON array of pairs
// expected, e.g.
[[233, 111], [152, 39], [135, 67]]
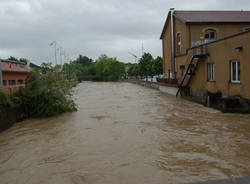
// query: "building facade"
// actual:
[[207, 51], [14, 75]]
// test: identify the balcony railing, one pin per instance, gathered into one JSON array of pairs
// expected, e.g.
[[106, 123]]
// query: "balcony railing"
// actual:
[[198, 48]]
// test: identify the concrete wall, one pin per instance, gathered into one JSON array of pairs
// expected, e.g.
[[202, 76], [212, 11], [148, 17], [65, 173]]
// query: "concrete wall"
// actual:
[[168, 89]]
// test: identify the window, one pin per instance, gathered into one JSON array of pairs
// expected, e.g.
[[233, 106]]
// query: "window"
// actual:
[[4, 82], [20, 82], [235, 71], [210, 35], [178, 43], [210, 71], [12, 82]]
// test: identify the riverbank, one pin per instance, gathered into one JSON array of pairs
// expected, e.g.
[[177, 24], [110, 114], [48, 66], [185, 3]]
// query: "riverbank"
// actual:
[[170, 89], [29, 103], [234, 104]]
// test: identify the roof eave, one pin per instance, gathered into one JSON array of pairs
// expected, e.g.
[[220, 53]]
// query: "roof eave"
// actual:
[[206, 22], [165, 26]]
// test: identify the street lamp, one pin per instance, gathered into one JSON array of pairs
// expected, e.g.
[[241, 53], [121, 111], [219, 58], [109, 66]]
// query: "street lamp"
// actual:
[[135, 56], [54, 43]]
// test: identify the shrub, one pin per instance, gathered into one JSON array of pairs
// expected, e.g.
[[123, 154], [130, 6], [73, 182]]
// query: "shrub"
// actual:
[[5, 100], [45, 95]]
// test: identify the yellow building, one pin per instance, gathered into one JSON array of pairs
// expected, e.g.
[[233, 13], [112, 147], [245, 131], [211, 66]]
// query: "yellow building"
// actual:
[[208, 52]]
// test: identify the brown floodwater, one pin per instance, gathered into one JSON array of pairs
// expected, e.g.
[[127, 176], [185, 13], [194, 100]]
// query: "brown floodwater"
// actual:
[[127, 134]]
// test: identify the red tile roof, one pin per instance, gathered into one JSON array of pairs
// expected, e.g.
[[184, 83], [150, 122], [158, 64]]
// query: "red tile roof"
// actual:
[[13, 67], [213, 16]]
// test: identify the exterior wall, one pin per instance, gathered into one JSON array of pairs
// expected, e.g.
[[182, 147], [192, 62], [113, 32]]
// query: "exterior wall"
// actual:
[[13, 76], [166, 42], [190, 33], [221, 53], [222, 29], [182, 28]]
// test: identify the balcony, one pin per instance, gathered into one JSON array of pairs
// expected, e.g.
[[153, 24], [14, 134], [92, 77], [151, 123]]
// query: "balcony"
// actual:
[[199, 49]]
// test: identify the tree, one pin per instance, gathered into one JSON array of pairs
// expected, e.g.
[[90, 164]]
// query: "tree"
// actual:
[[110, 68], [84, 60], [23, 60], [146, 65], [12, 58], [46, 68], [158, 65], [133, 70]]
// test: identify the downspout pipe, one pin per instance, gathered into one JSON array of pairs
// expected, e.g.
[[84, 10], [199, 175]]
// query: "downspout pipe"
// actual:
[[172, 43]]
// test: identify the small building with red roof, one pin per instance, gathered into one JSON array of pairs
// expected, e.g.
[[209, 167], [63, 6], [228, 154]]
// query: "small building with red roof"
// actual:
[[14, 74]]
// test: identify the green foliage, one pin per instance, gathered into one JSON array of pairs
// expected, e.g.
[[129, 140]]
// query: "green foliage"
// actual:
[[12, 58], [5, 100], [45, 95], [146, 65], [110, 68], [133, 70], [158, 65], [23, 60], [84, 60], [47, 68]]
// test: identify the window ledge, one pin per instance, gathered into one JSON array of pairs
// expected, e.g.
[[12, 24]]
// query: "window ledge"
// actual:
[[213, 81], [234, 82]]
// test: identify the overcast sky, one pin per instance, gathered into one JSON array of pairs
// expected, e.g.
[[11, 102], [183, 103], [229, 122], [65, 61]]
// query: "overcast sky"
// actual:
[[90, 27]]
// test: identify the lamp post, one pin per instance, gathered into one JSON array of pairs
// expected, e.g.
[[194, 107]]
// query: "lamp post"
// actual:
[[54, 43], [135, 56]]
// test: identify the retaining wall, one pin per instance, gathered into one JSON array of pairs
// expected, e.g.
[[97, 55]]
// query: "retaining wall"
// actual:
[[165, 88], [8, 116]]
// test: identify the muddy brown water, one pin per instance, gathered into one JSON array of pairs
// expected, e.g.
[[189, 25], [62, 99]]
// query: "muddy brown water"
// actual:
[[127, 134]]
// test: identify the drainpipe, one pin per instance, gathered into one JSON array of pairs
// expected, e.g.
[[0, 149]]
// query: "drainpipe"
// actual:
[[1, 75], [172, 43]]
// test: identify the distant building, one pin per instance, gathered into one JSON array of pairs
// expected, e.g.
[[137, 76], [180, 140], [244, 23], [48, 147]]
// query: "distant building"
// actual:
[[207, 52], [14, 74]]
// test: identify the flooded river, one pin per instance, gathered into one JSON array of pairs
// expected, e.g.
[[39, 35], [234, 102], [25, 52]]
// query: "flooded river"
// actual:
[[127, 134]]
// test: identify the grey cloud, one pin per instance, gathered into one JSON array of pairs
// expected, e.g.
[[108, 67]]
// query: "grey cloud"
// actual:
[[89, 27]]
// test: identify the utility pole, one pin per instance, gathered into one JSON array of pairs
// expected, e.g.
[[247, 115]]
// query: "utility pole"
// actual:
[[1, 76], [60, 52], [142, 48], [54, 43]]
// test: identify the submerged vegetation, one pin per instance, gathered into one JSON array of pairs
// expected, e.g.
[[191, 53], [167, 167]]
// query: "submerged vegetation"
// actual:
[[45, 94]]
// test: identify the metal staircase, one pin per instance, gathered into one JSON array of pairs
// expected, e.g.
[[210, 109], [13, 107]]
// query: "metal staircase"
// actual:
[[193, 60]]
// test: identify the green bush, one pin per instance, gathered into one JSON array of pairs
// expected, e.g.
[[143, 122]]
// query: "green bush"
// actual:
[[5, 100], [45, 95]]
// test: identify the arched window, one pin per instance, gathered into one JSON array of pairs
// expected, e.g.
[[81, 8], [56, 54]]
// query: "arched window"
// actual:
[[179, 43], [210, 35]]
